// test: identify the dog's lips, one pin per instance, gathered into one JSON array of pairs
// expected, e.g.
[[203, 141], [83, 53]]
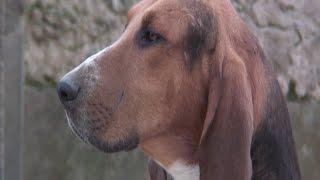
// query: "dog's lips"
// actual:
[[76, 129], [89, 118], [89, 135]]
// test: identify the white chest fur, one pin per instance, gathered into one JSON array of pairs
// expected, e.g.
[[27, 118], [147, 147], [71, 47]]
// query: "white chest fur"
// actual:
[[182, 171]]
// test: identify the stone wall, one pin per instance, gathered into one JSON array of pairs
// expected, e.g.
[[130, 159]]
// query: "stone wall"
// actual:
[[60, 34], [289, 31]]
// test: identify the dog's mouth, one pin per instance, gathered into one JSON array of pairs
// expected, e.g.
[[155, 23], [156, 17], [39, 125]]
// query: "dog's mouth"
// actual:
[[93, 137], [91, 120], [93, 113], [79, 131]]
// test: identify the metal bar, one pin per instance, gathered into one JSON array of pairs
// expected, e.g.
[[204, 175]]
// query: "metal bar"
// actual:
[[2, 121], [12, 88], [2, 89]]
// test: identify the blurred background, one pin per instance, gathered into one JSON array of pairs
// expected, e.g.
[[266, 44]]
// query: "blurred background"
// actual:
[[51, 37]]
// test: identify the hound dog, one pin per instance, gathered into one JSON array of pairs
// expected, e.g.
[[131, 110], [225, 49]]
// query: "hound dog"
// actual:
[[188, 83]]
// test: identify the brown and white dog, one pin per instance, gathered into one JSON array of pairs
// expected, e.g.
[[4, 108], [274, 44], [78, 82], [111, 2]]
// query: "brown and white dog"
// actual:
[[188, 83]]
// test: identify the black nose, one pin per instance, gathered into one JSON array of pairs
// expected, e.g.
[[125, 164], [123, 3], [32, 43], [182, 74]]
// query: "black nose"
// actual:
[[67, 90]]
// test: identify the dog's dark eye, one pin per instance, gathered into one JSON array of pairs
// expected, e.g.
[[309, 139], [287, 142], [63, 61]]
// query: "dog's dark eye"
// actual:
[[148, 37]]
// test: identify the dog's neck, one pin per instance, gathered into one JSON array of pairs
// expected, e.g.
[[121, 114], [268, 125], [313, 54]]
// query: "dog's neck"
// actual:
[[181, 171], [176, 154]]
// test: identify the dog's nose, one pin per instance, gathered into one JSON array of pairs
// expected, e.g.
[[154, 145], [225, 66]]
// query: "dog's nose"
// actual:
[[67, 90]]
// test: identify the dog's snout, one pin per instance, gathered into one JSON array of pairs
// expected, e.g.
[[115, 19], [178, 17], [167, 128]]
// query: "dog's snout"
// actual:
[[67, 90]]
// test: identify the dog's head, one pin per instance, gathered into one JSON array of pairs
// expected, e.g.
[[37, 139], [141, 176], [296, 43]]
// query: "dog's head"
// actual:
[[152, 79]]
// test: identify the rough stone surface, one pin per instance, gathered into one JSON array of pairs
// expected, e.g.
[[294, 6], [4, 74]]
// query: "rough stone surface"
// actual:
[[289, 31], [61, 34]]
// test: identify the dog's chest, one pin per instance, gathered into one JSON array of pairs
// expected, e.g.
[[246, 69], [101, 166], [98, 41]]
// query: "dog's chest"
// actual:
[[180, 171]]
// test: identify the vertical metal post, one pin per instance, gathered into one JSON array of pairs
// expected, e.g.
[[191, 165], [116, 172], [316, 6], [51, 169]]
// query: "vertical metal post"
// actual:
[[2, 109], [11, 89], [1, 118]]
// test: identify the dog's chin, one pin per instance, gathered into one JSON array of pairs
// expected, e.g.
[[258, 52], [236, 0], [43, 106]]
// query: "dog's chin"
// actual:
[[126, 144]]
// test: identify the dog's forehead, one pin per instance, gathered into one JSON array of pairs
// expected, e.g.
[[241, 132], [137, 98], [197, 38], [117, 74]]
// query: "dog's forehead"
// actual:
[[168, 12], [186, 6]]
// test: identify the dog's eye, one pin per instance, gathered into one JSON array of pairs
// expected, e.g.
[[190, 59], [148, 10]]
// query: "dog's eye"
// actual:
[[148, 37]]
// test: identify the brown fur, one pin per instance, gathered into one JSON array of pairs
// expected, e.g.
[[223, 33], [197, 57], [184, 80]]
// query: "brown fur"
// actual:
[[202, 93]]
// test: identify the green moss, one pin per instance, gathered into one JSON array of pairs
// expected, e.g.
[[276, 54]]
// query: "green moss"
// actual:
[[49, 80], [74, 47], [34, 6], [40, 85], [100, 21], [293, 96], [38, 5]]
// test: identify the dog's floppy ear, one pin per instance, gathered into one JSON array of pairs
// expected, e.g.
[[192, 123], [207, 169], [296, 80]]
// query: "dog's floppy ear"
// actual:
[[224, 151]]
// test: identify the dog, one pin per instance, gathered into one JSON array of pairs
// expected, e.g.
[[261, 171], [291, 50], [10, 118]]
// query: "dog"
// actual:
[[187, 83]]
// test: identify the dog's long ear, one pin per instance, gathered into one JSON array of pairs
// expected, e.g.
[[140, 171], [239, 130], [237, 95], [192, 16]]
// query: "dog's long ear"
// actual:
[[227, 132]]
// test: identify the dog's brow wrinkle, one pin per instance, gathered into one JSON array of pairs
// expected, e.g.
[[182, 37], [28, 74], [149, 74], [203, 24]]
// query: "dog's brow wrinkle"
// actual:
[[147, 19]]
